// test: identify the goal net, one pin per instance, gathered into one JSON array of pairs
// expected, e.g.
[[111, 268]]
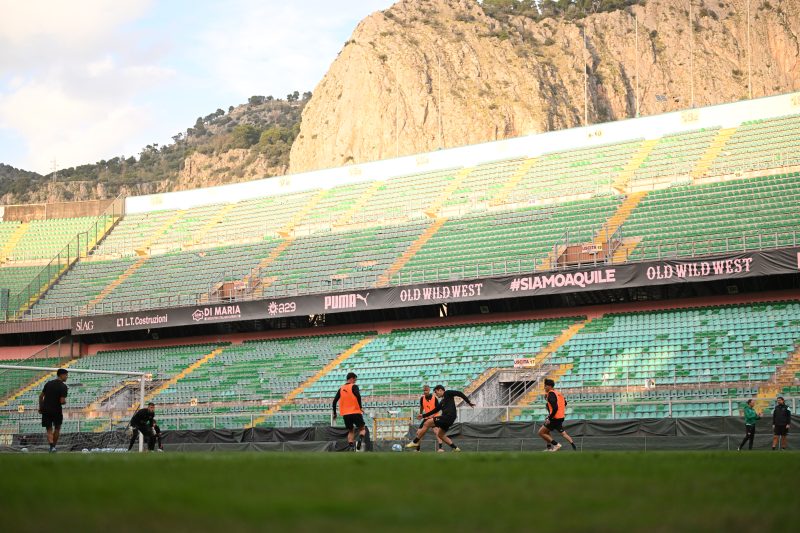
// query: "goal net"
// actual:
[[98, 408]]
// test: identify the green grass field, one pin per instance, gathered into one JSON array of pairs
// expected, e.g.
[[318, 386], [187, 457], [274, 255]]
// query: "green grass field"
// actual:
[[567, 491]]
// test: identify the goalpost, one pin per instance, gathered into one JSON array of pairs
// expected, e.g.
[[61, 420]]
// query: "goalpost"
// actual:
[[41, 372]]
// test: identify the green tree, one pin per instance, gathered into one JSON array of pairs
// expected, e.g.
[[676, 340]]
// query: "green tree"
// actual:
[[244, 136]]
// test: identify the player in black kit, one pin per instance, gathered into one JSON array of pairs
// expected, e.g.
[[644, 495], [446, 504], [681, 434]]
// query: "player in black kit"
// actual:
[[447, 417]]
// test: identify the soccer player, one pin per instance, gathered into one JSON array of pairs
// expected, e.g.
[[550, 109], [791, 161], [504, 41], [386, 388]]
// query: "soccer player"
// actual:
[[51, 400], [750, 417], [352, 412], [428, 402], [447, 417], [781, 419], [142, 422], [556, 410]]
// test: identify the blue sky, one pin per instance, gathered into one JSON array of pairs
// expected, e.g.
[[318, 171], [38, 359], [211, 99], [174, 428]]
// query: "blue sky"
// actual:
[[93, 79]]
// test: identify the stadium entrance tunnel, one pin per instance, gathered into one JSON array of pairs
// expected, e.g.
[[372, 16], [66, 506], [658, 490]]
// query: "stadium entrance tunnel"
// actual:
[[655, 434]]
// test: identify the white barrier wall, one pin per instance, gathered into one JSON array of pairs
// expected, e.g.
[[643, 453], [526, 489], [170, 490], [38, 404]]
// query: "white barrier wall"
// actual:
[[724, 116]]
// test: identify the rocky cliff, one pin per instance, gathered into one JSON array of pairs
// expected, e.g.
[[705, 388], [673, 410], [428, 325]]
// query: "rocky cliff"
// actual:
[[427, 74]]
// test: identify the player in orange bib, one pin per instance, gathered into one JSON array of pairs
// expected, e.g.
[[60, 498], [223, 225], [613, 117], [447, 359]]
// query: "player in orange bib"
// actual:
[[556, 411], [352, 412], [428, 402]]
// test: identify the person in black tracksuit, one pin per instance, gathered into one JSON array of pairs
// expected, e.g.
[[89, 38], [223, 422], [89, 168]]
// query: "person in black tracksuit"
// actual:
[[447, 417], [143, 421], [781, 419]]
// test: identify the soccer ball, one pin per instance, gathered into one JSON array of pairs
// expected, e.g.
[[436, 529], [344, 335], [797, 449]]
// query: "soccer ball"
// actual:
[[85, 450], [24, 450], [397, 448]]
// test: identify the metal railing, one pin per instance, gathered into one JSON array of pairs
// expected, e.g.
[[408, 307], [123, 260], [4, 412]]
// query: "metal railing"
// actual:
[[17, 422], [78, 247], [462, 272]]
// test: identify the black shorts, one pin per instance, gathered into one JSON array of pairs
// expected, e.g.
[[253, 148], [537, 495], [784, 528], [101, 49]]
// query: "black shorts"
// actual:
[[555, 424], [781, 430], [443, 423], [52, 420], [353, 421]]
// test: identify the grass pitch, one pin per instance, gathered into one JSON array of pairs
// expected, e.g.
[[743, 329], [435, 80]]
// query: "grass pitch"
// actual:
[[565, 491]]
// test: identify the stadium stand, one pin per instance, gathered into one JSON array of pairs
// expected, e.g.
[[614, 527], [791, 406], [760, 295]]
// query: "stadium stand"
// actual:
[[750, 213], [100, 392], [257, 370], [693, 353], [674, 156], [485, 243], [16, 278], [325, 261], [695, 190], [399, 363], [45, 238], [573, 173], [12, 382], [759, 144]]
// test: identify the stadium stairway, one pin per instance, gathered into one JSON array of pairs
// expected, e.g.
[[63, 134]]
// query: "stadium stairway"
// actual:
[[784, 376], [624, 250], [528, 398], [12, 241], [624, 210], [24, 308], [365, 197], [286, 233], [541, 357], [433, 210], [511, 184], [716, 147], [341, 358], [288, 228], [267, 261], [185, 372], [116, 283], [143, 256], [32, 385], [159, 232], [623, 179], [95, 405], [198, 237], [480, 380], [401, 261]]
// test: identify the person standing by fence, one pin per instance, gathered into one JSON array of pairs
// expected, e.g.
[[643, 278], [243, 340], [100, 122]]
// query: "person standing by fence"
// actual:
[[750, 418]]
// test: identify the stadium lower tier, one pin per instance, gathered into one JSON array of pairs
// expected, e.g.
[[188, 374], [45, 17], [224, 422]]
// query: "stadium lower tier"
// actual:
[[676, 362]]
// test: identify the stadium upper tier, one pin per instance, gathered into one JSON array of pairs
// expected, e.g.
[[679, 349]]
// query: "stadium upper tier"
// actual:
[[667, 186], [744, 214]]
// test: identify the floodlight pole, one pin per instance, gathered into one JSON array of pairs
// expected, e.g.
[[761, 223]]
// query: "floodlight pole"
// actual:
[[585, 81], [749, 56], [691, 53], [636, 26]]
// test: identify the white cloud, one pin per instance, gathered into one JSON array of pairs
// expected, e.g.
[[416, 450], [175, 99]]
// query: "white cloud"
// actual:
[[75, 24], [73, 81], [279, 47], [57, 125], [93, 79]]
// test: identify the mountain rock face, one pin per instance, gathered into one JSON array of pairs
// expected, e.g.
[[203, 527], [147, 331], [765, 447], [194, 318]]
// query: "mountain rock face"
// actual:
[[429, 74]]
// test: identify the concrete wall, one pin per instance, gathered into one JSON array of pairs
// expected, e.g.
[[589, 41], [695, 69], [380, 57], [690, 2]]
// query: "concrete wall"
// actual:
[[26, 213]]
